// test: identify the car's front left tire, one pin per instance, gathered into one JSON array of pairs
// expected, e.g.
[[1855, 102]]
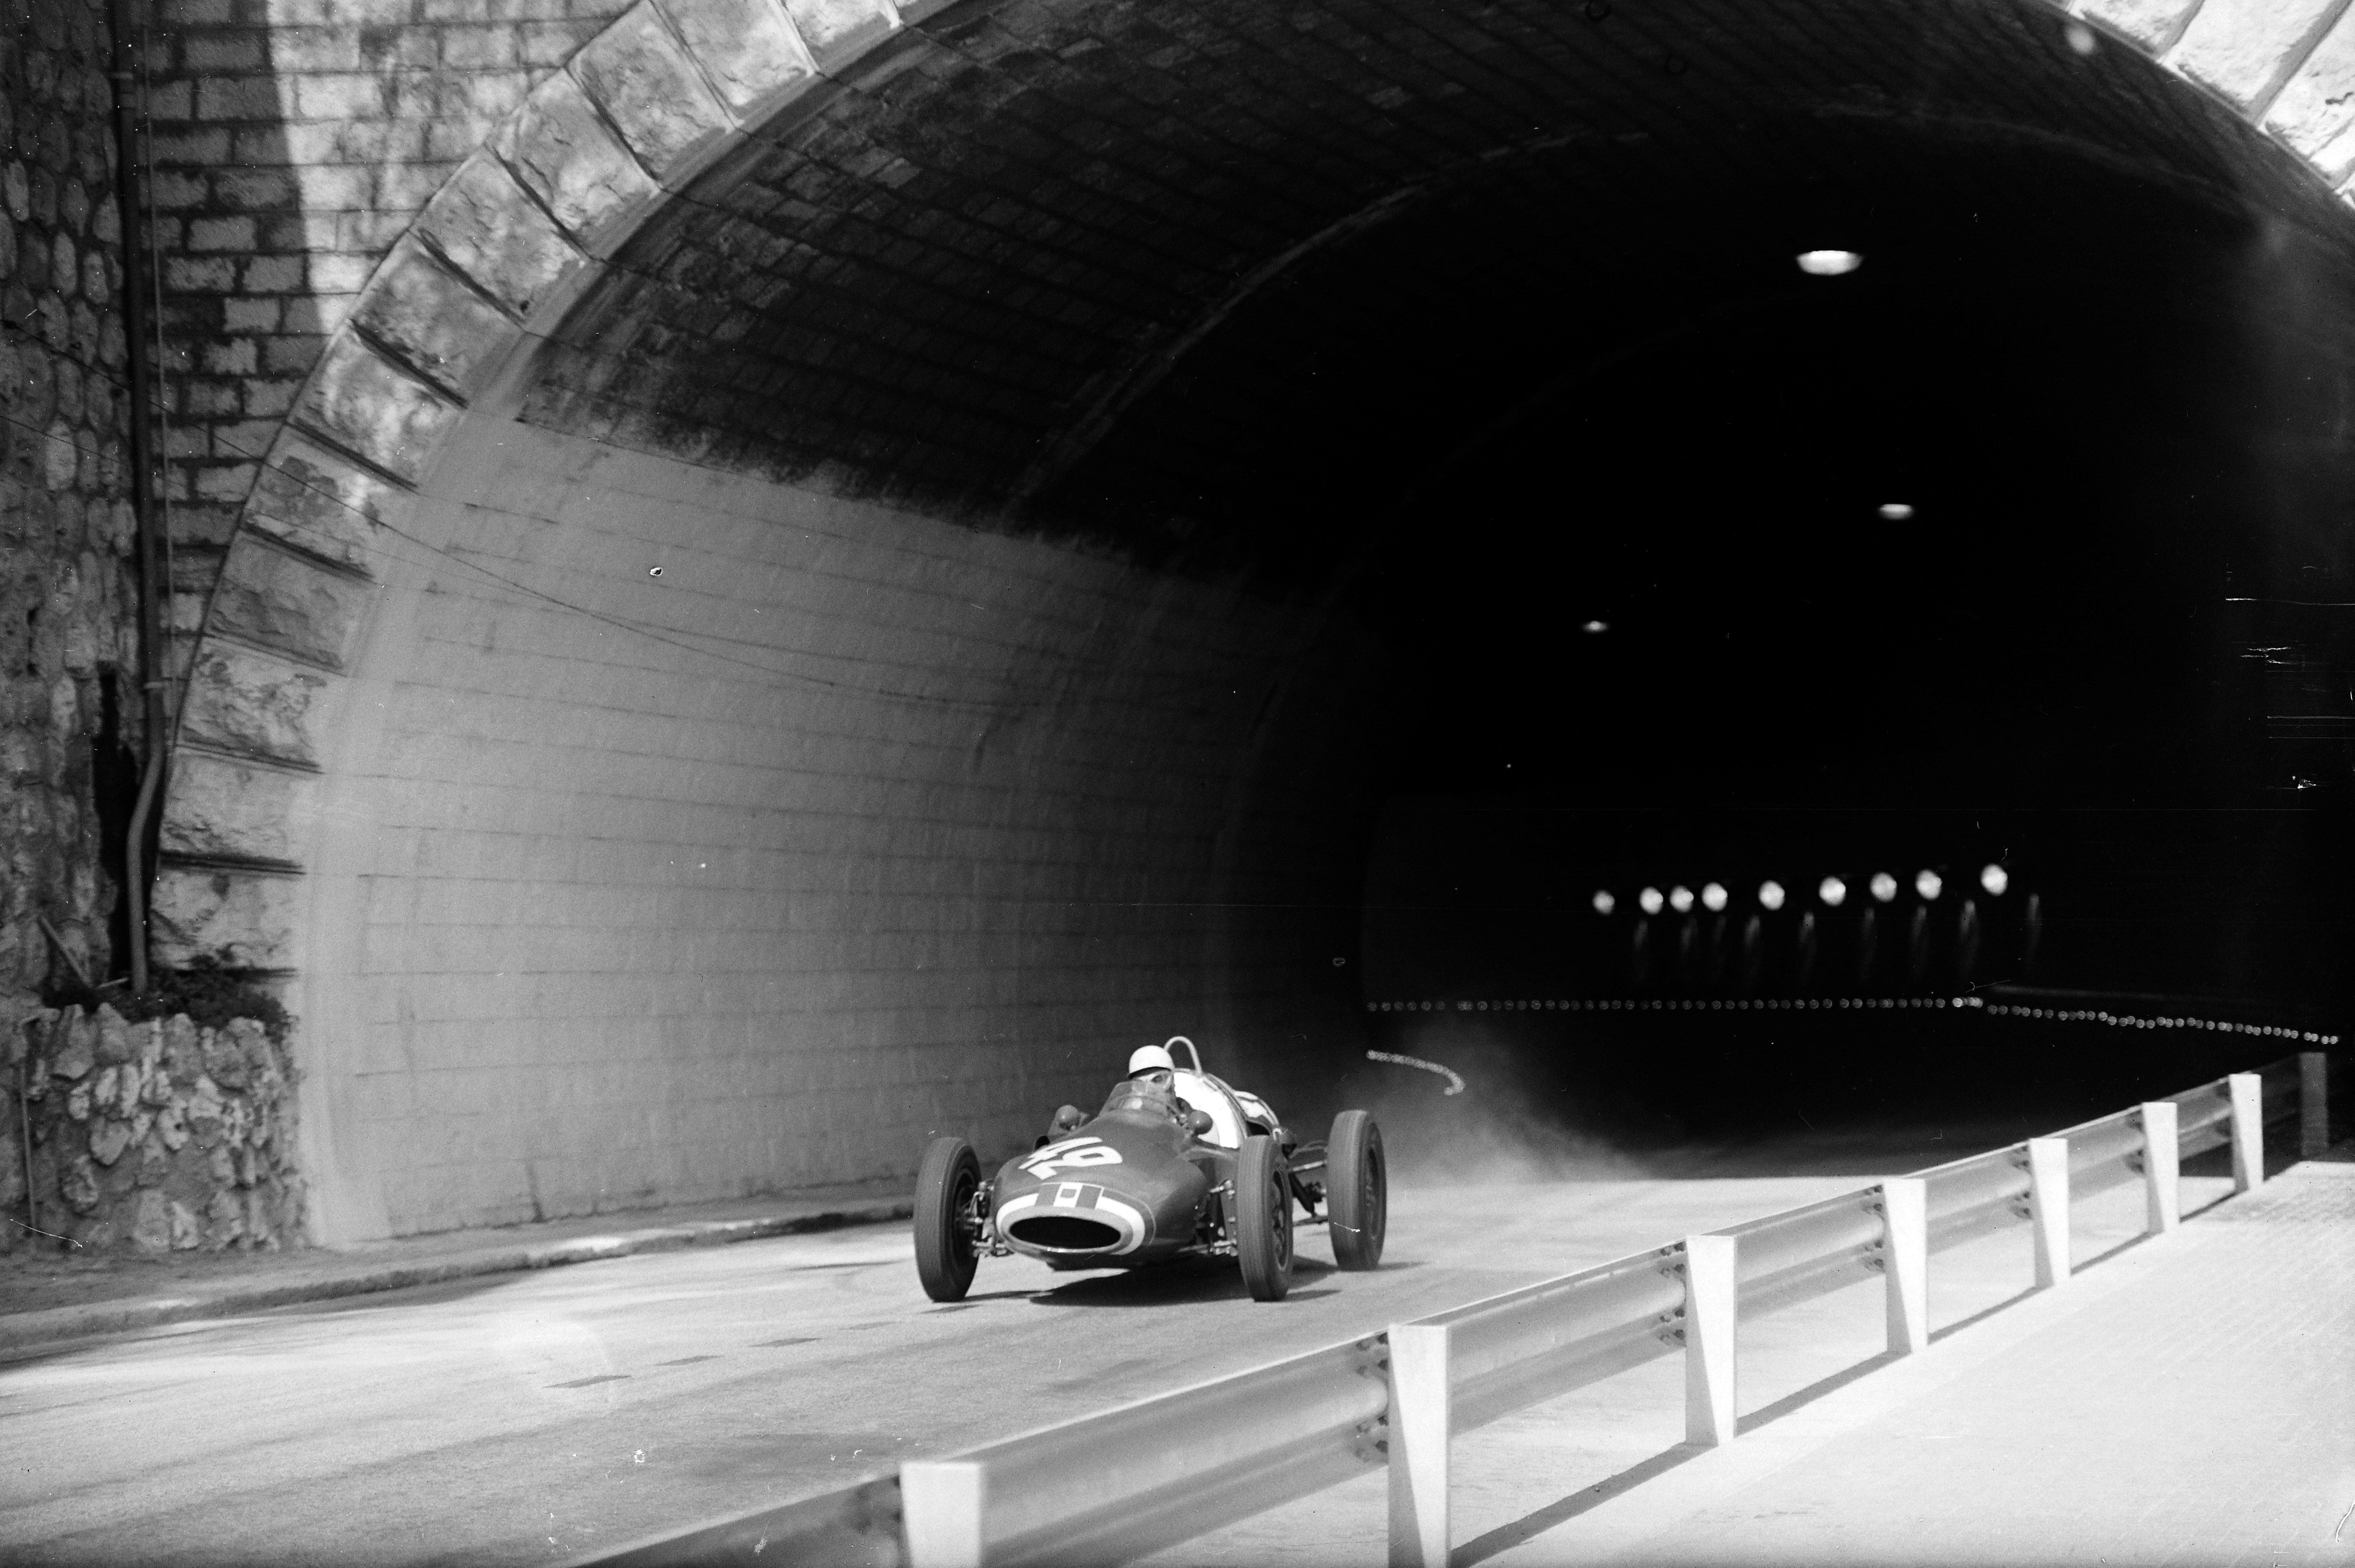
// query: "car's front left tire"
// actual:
[[1264, 1219], [945, 1185]]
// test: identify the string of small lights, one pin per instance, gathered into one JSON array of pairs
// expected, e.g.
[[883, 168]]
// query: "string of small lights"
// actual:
[[2134, 1020], [1826, 1004]]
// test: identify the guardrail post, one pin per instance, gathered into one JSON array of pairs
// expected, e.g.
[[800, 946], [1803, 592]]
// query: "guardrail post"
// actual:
[[1419, 1428], [2162, 1149], [1906, 1211], [941, 1510], [2248, 1093], [1711, 1296], [2312, 1104], [2048, 1198]]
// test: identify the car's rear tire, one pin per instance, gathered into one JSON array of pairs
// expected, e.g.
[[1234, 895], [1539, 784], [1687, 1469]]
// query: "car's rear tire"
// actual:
[[1357, 1191], [945, 1185], [1264, 1219]]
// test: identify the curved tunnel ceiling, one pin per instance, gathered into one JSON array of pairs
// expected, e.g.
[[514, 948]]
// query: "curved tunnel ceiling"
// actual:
[[1466, 328], [955, 284]]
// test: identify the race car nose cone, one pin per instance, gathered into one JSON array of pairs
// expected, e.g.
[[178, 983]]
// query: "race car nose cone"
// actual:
[[1064, 1232]]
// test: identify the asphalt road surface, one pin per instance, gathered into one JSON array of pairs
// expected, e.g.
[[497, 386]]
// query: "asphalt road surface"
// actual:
[[530, 1417]]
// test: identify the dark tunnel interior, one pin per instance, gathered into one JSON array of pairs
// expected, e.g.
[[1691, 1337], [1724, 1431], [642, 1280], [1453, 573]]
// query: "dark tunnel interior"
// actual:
[[1684, 565], [1657, 559]]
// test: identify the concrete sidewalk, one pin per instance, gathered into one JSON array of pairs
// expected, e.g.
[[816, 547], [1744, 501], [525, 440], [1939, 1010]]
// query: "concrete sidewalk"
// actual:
[[45, 1300], [2189, 1400]]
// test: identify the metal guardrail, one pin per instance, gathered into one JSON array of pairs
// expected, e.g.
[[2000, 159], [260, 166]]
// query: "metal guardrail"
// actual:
[[1121, 1484], [1133, 1480], [1527, 1345]]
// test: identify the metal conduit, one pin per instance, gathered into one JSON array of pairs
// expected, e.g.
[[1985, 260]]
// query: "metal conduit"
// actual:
[[153, 586]]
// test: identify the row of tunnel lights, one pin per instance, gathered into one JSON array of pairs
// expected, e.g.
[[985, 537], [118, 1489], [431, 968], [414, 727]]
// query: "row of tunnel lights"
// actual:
[[1660, 1004], [1772, 895], [1818, 1004]]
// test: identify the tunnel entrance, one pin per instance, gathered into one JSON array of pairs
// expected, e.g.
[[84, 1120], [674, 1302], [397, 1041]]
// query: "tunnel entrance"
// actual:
[[1066, 525]]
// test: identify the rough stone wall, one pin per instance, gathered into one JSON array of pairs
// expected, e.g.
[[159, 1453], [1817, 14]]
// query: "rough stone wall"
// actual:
[[69, 585], [162, 1136]]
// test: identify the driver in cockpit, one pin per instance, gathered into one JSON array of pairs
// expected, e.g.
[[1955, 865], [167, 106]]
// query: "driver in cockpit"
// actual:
[[1151, 1087], [1152, 1079]]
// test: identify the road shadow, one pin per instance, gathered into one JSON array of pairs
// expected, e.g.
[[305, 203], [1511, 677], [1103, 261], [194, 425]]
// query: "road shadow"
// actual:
[[1767, 1414], [1179, 1282], [1866, 1149], [1505, 1537]]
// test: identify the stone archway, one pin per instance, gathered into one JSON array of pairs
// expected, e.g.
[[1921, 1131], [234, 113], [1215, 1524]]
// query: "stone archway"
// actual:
[[388, 444]]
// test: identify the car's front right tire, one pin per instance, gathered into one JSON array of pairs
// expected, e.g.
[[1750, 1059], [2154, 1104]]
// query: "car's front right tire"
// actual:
[[1264, 1219], [945, 1185], [1357, 1190]]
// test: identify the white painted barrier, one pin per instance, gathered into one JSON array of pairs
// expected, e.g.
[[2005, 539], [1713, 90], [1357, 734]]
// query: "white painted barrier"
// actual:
[[1422, 1400], [1906, 1201], [1112, 1486], [2248, 1093], [2048, 1198], [2162, 1161], [1713, 1294]]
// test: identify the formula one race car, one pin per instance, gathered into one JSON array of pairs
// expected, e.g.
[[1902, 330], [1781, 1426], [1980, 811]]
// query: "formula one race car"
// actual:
[[1177, 1164]]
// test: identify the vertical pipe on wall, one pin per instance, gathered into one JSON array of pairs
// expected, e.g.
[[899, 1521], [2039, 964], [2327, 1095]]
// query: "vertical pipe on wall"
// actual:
[[151, 586]]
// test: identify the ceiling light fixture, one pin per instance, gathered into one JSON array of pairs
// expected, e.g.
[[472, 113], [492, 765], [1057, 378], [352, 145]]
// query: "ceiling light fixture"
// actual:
[[1828, 263]]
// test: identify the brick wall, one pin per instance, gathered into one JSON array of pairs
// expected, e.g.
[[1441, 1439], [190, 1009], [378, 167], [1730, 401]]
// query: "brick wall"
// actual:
[[848, 828], [69, 708], [292, 142]]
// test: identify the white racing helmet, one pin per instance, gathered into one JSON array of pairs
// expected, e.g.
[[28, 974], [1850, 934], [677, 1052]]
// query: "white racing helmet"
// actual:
[[1146, 1058]]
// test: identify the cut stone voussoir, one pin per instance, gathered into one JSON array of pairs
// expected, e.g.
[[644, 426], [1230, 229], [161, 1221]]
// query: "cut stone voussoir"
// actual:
[[434, 320], [362, 402], [248, 702], [287, 602], [640, 75], [558, 149]]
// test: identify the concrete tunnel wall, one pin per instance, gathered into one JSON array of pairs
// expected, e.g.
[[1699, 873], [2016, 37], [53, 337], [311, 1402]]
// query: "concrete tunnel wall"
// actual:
[[858, 823], [849, 828]]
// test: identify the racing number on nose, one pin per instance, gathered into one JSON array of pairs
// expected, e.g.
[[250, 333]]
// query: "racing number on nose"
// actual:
[[1076, 1154]]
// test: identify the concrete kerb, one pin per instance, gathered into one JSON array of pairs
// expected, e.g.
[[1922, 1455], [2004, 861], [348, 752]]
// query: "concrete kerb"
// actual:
[[25, 1331]]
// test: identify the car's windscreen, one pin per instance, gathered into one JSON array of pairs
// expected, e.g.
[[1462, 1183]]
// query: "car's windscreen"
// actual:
[[1141, 1097]]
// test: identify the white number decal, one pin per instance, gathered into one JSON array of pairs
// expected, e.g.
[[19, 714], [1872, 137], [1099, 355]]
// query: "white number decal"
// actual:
[[1075, 1154]]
